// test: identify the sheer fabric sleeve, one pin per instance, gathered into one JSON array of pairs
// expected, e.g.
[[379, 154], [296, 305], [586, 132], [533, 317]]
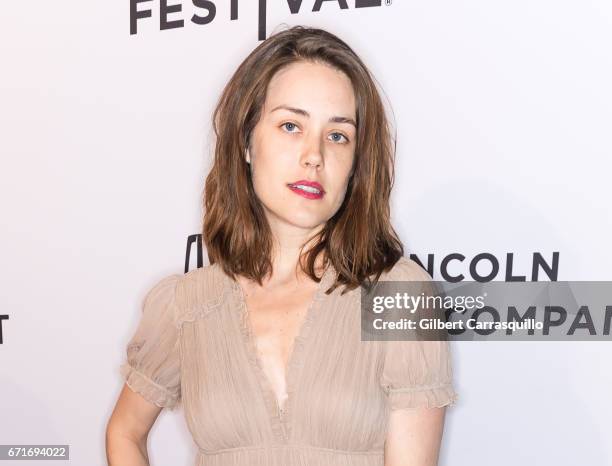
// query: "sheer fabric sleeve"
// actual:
[[152, 365], [417, 373]]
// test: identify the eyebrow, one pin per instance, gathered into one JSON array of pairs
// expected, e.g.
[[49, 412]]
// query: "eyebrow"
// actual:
[[299, 111]]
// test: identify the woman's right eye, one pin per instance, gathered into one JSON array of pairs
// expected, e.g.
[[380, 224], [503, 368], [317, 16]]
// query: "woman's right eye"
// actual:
[[289, 126]]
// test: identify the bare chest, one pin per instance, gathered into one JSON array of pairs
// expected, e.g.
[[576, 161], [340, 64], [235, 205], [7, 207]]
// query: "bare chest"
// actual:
[[275, 320]]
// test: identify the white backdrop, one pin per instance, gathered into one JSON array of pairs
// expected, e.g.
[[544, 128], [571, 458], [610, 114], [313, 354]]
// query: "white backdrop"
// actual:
[[504, 117]]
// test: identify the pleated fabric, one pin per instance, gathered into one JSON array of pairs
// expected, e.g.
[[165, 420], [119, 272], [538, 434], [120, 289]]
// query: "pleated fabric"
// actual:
[[194, 348]]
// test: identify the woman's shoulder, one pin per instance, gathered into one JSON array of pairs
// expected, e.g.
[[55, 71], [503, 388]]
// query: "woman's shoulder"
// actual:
[[201, 289], [406, 269]]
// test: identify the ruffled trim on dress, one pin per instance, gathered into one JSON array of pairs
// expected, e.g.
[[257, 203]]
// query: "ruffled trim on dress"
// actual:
[[431, 396], [196, 312], [281, 418], [146, 387], [213, 301], [192, 314], [265, 389], [297, 356]]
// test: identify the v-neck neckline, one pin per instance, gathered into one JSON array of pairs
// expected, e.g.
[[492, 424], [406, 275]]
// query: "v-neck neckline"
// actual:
[[280, 414]]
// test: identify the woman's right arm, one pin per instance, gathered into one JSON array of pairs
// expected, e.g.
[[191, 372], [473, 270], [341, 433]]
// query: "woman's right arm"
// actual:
[[128, 429], [152, 377]]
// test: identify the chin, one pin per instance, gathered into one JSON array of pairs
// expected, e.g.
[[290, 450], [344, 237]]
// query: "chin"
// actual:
[[307, 225], [304, 221]]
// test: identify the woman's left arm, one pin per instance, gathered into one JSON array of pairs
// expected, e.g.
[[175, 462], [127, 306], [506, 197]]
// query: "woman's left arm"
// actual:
[[417, 377], [414, 437]]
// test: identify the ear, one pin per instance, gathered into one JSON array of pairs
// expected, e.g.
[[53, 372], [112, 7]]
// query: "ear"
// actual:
[[248, 157]]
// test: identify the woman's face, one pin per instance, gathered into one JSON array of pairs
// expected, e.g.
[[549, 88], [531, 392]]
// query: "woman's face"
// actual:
[[306, 133]]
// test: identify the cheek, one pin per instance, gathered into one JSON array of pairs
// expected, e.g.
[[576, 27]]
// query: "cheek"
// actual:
[[340, 173], [269, 177], [341, 195], [271, 152]]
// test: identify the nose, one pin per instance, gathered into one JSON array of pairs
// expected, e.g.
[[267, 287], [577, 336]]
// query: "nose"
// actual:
[[312, 156]]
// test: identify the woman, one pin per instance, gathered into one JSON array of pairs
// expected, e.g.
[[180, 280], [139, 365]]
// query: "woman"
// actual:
[[262, 348]]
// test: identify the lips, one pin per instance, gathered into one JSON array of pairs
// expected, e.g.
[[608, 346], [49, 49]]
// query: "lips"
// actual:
[[307, 189]]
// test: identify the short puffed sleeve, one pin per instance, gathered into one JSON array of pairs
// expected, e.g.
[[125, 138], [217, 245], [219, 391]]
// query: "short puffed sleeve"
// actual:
[[152, 366], [417, 373]]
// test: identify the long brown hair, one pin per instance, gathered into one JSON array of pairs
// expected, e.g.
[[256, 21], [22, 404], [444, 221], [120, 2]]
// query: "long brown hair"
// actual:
[[359, 239]]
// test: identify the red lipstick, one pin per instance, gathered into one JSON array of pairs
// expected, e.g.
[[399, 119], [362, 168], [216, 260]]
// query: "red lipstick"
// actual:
[[307, 189]]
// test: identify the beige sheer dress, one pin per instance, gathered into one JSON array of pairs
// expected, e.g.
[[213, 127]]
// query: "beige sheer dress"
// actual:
[[193, 347]]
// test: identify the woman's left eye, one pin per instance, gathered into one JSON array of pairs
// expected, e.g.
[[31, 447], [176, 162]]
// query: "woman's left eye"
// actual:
[[341, 135]]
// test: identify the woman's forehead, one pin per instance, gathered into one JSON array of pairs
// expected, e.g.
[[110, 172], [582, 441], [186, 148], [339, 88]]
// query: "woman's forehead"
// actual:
[[311, 88]]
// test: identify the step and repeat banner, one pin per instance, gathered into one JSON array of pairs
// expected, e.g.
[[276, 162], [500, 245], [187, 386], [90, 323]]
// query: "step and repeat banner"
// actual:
[[503, 116]]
